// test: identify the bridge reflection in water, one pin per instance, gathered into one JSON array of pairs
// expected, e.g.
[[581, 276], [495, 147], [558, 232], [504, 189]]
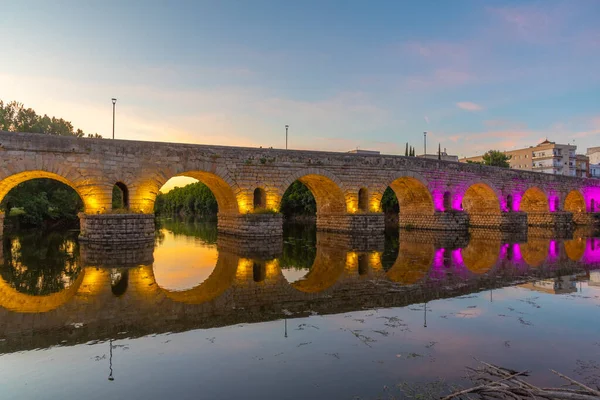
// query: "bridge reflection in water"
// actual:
[[196, 280]]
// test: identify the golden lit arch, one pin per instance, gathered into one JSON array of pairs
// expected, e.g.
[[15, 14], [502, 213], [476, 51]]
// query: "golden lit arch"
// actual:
[[574, 202], [413, 196], [534, 200], [229, 200], [480, 198], [93, 198], [325, 187], [413, 262]]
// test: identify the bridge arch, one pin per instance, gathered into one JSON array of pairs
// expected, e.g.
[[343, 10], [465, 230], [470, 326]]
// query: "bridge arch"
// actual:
[[93, 196], [328, 267], [481, 254], [574, 202], [480, 198], [413, 194], [325, 187], [230, 198], [535, 251], [534, 200]]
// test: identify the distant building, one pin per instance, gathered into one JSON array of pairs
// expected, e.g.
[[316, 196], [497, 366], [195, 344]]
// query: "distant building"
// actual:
[[365, 152], [594, 171], [594, 278], [548, 157], [593, 154], [582, 166], [444, 156]]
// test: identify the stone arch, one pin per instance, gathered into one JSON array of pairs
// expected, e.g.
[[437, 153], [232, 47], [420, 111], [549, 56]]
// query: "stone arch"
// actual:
[[259, 198], [228, 195], [363, 199], [574, 202], [125, 193], [413, 194], [534, 200], [325, 187], [93, 198], [480, 198], [413, 262]]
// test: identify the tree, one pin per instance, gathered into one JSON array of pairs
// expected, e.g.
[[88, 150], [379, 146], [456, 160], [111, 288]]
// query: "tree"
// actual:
[[406, 151], [439, 151], [496, 158]]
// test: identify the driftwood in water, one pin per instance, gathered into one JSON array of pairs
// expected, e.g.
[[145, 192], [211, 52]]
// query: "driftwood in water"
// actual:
[[500, 383]]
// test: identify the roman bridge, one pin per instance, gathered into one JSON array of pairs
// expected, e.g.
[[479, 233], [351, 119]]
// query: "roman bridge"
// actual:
[[249, 183]]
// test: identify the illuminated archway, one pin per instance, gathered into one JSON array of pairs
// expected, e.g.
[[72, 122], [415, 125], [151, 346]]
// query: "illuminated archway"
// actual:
[[534, 200], [413, 262], [413, 196], [94, 200], [574, 202], [328, 267], [480, 199], [326, 190]]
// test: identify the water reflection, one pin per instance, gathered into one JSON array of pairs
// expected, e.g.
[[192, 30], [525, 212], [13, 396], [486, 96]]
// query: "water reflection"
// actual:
[[194, 278]]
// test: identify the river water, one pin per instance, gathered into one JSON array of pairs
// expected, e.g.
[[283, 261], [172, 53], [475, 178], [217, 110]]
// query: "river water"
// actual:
[[312, 315]]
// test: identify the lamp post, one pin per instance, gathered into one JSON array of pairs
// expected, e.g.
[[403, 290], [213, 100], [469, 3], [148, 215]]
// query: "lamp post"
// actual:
[[286, 135], [114, 101], [425, 143]]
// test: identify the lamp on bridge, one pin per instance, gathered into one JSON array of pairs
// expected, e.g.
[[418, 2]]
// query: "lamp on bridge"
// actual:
[[286, 135], [114, 101]]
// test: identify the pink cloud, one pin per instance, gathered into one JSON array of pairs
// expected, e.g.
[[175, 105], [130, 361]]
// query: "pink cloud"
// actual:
[[469, 106]]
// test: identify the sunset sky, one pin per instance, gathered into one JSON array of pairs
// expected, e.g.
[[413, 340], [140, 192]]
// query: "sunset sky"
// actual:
[[343, 74]]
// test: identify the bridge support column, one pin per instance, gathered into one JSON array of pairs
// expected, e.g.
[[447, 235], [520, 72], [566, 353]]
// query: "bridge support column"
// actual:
[[128, 254], [505, 221], [250, 225], [559, 220], [360, 223], [116, 228], [439, 221]]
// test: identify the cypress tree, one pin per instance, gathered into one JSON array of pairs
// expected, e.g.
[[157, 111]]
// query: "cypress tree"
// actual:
[[406, 151], [439, 151]]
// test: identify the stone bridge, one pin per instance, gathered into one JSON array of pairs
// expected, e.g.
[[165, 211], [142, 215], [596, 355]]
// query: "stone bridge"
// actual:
[[249, 183]]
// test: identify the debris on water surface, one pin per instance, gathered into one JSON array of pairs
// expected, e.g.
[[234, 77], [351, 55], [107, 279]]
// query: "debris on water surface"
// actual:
[[211, 339], [304, 344]]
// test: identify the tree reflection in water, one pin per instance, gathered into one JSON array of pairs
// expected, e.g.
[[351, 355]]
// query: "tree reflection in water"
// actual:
[[299, 247], [40, 263]]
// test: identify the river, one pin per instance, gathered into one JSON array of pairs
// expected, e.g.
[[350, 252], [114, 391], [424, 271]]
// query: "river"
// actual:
[[196, 315]]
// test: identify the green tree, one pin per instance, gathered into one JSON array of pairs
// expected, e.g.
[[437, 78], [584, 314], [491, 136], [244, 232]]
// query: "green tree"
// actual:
[[496, 158], [298, 200], [406, 150]]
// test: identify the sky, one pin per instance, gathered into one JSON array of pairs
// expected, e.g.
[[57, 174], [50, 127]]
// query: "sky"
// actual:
[[476, 75]]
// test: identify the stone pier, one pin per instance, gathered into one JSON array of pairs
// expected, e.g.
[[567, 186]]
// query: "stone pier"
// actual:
[[360, 223], [505, 221], [439, 221], [116, 228], [251, 225], [559, 220]]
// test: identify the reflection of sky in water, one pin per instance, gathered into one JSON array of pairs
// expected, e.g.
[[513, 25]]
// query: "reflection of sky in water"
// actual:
[[182, 262]]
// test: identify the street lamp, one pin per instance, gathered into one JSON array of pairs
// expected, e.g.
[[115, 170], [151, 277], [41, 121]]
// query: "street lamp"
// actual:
[[114, 101], [286, 135], [425, 143]]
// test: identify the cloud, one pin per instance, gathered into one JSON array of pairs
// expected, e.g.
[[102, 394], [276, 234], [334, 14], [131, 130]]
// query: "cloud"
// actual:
[[469, 106]]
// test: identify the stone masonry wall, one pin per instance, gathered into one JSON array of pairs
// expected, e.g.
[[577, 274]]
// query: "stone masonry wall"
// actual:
[[250, 225], [440, 221], [116, 228], [116, 255], [363, 223], [560, 220], [506, 221]]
